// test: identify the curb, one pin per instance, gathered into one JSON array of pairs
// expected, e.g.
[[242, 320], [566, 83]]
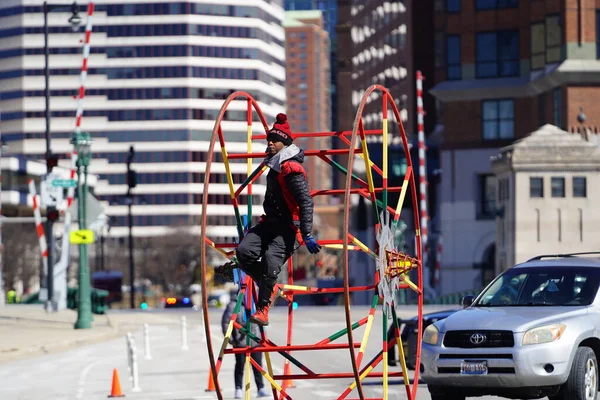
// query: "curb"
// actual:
[[50, 348]]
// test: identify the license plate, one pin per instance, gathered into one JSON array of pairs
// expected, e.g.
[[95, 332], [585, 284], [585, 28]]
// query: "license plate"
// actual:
[[473, 368]]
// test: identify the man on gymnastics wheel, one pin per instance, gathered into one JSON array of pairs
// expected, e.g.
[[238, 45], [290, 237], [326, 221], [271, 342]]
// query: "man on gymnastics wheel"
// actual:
[[288, 208]]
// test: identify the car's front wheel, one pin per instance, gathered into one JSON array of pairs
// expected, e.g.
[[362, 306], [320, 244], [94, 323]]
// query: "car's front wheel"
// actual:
[[444, 393], [583, 378]]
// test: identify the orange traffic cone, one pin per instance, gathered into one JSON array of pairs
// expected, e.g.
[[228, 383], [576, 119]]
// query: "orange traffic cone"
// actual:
[[116, 385], [287, 370], [211, 382]]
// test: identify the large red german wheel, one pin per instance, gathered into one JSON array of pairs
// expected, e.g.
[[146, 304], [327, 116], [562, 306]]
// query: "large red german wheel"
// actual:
[[392, 270]]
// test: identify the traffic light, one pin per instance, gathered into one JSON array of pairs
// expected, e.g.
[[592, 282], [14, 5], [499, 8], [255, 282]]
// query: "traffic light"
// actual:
[[52, 214], [131, 178], [51, 161], [398, 163], [400, 235], [131, 175]]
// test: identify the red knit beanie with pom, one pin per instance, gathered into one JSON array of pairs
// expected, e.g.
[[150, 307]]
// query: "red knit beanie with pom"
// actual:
[[281, 131]]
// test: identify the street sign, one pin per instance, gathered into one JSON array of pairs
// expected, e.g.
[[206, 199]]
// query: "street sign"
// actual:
[[64, 183], [82, 236], [94, 209], [51, 195]]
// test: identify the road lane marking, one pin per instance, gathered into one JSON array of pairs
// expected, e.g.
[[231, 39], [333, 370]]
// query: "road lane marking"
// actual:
[[83, 376]]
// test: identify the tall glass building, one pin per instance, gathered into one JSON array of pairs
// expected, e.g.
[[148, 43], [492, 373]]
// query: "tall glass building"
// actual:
[[158, 75], [329, 10]]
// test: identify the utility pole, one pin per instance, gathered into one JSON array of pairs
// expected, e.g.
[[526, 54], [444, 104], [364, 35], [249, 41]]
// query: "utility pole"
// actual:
[[52, 160], [131, 183]]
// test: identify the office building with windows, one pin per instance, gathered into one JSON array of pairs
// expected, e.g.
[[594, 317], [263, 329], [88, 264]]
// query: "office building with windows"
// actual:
[[384, 43], [329, 10], [503, 69], [307, 85], [158, 75]]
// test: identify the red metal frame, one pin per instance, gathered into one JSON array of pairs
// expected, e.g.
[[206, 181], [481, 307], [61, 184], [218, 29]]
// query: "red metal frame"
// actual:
[[350, 138]]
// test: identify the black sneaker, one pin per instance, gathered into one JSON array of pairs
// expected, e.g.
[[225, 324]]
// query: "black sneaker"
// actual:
[[226, 270]]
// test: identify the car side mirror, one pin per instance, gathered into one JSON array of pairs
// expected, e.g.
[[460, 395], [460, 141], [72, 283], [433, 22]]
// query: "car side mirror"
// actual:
[[467, 301]]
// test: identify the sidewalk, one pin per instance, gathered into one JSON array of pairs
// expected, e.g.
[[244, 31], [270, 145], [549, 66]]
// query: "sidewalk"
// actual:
[[28, 330]]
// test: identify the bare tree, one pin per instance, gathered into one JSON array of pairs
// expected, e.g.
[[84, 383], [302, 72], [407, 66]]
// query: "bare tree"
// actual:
[[22, 259], [172, 258]]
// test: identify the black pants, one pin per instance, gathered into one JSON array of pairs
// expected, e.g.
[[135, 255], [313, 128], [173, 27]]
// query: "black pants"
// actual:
[[262, 252], [240, 361]]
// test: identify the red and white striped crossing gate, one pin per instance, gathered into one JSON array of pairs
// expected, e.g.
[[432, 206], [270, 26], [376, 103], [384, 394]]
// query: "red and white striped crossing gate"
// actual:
[[39, 226], [423, 176]]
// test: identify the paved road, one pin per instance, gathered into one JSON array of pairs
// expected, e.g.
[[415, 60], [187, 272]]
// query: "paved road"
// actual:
[[176, 374]]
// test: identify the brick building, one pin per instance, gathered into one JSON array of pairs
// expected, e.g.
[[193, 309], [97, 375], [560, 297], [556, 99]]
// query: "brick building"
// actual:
[[307, 88], [503, 69]]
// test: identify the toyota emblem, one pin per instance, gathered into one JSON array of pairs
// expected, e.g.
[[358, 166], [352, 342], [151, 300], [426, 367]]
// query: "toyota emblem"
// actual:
[[478, 338]]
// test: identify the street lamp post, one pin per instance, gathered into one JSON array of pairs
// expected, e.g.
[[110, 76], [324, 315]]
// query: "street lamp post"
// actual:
[[51, 161], [2, 295], [83, 142], [131, 183]]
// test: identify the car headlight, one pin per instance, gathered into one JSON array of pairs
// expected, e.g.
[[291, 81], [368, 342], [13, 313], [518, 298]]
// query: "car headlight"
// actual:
[[431, 334], [544, 334]]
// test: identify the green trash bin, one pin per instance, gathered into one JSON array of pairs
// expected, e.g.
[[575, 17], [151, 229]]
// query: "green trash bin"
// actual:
[[72, 298], [99, 303]]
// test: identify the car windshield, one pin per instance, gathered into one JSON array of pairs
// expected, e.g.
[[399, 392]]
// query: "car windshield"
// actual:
[[551, 286]]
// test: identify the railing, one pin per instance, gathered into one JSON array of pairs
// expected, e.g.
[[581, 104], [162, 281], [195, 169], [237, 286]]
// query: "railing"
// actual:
[[453, 298]]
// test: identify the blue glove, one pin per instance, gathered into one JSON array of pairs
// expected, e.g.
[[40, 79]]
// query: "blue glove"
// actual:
[[311, 244]]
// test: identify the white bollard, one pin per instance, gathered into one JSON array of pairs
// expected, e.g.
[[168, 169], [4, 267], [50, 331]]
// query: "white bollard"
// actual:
[[202, 331], [184, 345], [147, 354], [135, 387], [128, 342]]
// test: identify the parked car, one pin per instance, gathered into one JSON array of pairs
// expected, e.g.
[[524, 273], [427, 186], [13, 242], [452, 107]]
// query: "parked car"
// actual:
[[408, 335], [534, 331]]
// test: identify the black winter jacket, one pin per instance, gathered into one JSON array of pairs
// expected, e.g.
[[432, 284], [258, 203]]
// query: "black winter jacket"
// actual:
[[288, 199]]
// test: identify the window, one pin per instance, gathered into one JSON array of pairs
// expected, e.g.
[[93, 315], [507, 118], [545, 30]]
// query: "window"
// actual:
[[557, 107], [553, 39], [598, 34], [497, 54], [453, 57], [534, 286], [536, 187], [542, 109], [538, 46], [558, 187], [494, 4], [487, 196], [579, 186], [452, 6], [438, 6], [498, 119], [439, 49]]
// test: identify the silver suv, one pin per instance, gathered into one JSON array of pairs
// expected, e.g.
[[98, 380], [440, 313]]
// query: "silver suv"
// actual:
[[534, 331]]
